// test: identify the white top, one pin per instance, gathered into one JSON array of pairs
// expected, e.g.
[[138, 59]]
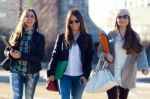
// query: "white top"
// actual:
[[120, 58], [74, 67]]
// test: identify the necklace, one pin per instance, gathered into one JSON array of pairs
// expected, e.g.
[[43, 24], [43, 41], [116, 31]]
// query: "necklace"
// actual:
[[122, 37]]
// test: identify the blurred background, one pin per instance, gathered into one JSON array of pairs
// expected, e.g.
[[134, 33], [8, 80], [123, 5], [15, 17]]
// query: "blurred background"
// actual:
[[99, 15]]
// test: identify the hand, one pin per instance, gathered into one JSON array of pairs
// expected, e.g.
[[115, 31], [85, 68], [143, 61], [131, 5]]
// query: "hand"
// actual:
[[145, 43], [50, 78], [145, 72], [15, 54], [83, 80], [109, 57]]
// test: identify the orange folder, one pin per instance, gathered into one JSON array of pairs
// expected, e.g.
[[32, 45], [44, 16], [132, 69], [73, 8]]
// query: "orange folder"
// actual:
[[104, 44]]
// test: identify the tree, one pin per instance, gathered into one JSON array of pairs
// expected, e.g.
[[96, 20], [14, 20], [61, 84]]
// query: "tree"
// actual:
[[20, 8]]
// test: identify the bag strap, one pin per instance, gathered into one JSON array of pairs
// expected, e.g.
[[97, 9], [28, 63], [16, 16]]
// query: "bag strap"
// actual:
[[104, 65]]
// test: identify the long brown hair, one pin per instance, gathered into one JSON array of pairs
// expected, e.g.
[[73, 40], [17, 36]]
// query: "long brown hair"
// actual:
[[68, 32], [131, 39], [20, 27]]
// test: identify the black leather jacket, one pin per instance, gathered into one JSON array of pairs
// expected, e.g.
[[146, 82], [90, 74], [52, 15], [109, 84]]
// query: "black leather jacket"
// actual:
[[61, 52]]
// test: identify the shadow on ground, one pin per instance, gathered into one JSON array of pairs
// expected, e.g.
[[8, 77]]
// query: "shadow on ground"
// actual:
[[143, 80], [5, 79]]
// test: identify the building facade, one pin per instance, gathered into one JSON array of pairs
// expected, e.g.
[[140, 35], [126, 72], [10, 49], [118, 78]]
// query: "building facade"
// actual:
[[52, 15]]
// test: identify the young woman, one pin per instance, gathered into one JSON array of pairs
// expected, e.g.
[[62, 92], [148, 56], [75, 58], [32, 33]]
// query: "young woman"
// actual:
[[125, 51], [28, 49], [76, 46]]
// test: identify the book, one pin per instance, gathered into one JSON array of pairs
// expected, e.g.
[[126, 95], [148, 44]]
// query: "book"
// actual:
[[104, 43], [3, 39]]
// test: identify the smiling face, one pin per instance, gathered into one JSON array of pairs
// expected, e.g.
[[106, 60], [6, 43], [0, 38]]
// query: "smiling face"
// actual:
[[122, 20], [74, 24], [29, 20]]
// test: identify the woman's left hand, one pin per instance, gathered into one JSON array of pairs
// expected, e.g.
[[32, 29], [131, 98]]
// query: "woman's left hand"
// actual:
[[83, 80], [145, 72]]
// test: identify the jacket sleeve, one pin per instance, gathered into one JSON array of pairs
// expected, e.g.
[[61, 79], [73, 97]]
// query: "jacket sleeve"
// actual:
[[39, 52], [142, 62], [54, 57], [88, 58]]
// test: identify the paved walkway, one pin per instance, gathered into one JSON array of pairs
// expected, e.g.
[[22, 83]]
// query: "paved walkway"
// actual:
[[141, 92]]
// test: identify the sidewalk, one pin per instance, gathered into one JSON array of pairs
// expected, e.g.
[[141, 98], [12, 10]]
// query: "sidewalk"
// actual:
[[141, 92]]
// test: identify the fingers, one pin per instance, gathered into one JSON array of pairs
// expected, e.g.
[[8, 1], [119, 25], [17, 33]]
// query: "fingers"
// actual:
[[83, 80], [145, 72], [15, 54], [51, 78], [109, 57]]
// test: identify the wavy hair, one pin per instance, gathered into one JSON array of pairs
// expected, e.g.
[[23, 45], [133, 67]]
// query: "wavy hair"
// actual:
[[20, 27], [68, 31], [131, 39]]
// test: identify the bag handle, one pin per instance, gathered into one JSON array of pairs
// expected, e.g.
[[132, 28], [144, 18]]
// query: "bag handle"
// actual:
[[105, 64]]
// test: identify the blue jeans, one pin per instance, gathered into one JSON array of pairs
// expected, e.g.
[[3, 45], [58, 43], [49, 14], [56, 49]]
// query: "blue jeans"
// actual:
[[70, 86], [17, 82]]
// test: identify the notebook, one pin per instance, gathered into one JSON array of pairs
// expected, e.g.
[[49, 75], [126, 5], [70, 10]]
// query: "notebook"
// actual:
[[104, 44], [3, 38]]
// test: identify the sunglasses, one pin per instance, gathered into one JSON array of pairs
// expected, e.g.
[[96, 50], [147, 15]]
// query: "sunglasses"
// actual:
[[72, 21], [123, 17]]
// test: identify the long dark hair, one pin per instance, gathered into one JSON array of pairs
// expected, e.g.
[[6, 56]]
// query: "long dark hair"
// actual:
[[68, 32], [131, 39], [20, 27]]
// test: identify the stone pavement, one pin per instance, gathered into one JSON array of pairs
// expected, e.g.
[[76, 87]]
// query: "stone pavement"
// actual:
[[141, 92]]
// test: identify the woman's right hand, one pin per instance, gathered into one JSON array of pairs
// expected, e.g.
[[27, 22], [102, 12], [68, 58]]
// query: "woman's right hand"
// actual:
[[15, 54], [50, 78], [109, 57]]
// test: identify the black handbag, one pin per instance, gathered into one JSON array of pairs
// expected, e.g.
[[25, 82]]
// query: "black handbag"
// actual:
[[6, 64]]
